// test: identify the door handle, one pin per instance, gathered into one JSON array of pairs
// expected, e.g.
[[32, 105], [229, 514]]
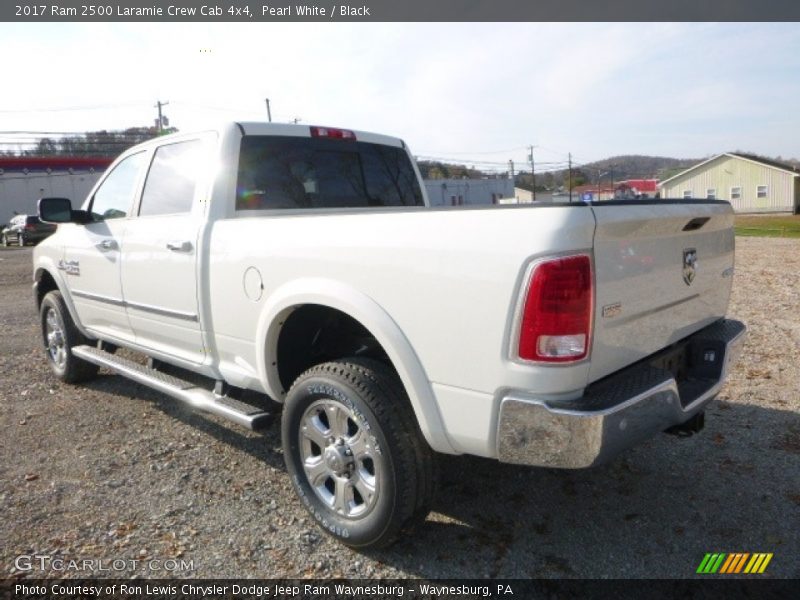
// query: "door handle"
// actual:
[[107, 245], [184, 246]]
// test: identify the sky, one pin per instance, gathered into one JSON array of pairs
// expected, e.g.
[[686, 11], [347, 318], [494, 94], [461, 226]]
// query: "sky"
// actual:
[[467, 92]]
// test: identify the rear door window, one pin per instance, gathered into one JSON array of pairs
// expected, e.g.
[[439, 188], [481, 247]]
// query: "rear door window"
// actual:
[[289, 172]]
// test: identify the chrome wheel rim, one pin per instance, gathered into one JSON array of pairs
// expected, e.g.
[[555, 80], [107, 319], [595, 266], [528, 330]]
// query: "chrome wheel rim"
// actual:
[[54, 338], [339, 458]]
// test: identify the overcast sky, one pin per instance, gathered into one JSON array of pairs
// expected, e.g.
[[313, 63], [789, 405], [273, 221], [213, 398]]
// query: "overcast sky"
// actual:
[[474, 91]]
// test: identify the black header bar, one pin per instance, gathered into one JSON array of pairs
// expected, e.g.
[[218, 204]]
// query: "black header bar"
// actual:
[[378, 589], [283, 11]]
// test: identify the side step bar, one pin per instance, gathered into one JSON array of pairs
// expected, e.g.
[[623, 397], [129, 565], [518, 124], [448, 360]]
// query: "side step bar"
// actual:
[[251, 417]]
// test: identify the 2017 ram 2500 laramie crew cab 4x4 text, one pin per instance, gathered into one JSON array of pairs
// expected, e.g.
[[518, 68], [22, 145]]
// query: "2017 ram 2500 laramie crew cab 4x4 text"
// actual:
[[305, 264]]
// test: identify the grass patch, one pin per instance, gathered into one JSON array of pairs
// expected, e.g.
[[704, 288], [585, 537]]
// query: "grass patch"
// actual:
[[768, 225]]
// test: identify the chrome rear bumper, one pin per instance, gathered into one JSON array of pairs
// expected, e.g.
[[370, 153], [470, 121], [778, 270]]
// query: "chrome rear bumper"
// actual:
[[621, 410]]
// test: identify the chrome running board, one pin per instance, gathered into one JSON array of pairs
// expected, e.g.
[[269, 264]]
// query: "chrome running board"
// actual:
[[241, 413]]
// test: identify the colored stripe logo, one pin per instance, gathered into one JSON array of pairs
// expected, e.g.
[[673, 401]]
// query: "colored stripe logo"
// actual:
[[736, 562]]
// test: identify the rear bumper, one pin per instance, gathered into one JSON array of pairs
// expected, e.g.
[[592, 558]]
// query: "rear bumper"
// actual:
[[620, 411]]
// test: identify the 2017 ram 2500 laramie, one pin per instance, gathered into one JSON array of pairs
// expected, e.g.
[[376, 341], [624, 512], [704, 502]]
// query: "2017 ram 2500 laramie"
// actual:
[[305, 264]]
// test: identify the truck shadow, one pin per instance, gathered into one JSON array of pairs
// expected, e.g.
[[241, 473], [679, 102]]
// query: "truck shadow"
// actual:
[[652, 512], [264, 445]]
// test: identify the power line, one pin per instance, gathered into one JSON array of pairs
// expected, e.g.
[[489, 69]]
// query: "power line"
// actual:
[[221, 108], [484, 151], [115, 131], [482, 162], [67, 109]]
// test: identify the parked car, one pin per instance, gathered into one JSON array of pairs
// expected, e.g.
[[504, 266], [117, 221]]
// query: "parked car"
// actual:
[[25, 229], [306, 264]]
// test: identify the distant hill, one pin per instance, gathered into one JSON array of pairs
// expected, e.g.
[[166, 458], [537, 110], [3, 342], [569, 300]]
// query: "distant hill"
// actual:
[[430, 169], [637, 166], [615, 168]]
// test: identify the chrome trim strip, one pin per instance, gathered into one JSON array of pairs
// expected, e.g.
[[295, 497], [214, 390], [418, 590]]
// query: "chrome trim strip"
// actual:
[[98, 297], [166, 312]]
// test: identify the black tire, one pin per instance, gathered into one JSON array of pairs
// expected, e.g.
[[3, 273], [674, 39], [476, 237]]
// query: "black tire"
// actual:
[[55, 320], [378, 412]]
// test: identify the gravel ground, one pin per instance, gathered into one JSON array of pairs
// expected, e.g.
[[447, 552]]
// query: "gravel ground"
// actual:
[[114, 471]]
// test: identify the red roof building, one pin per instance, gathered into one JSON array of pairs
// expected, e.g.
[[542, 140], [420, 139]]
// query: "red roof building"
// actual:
[[54, 163], [638, 188]]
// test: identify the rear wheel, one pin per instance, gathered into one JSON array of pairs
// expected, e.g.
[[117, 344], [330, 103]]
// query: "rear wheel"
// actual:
[[355, 454], [60, 335]]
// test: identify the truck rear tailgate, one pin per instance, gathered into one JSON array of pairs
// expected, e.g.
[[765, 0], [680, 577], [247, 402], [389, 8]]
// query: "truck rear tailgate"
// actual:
[[663, 270]]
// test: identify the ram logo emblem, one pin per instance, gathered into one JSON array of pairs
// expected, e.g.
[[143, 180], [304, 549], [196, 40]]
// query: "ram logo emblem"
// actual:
[[689, 265]]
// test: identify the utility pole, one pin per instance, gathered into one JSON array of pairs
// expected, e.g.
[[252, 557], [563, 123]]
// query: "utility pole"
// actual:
[[296, 120], [570, 177], [269, 113], [159, 104], [600, 175], [598, 183], [511, 169], [533, 173]]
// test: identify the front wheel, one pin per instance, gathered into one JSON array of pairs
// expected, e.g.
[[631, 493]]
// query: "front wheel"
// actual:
[[354, 452], [60, 335]]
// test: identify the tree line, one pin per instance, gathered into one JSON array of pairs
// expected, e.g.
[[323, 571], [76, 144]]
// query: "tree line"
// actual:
[[101, 143]]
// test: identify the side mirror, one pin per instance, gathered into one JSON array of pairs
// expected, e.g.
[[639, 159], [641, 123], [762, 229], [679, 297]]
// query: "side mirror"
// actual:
[[59, 210]]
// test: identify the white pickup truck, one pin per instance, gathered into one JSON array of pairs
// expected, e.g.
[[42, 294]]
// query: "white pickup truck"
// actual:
[[305, 264]]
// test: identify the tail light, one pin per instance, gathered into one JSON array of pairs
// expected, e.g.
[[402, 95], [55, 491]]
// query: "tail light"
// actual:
[[30, 226], [334, 134], [557, 315]]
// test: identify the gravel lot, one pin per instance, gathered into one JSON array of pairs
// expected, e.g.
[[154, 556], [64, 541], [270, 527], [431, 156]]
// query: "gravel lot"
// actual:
[[113, 471]]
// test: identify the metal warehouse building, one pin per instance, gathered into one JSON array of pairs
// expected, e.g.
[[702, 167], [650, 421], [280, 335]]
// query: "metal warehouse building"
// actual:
[[25, 179], [455, 192], [752, 184]]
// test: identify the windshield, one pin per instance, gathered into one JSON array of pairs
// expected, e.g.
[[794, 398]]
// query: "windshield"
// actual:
[[291, 172]]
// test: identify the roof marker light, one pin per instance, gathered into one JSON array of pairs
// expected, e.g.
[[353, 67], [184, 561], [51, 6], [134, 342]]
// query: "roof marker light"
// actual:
[[332, 133]]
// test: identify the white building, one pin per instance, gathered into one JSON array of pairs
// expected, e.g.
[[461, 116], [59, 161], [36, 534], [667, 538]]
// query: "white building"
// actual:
[[752, 184], [25, 179]]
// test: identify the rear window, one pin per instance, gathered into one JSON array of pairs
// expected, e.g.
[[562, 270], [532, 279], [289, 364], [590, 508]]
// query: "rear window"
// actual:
[[289, 172]]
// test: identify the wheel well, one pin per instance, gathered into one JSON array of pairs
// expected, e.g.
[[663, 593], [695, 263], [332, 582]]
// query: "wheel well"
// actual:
[[314, 334], [46, 284]]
